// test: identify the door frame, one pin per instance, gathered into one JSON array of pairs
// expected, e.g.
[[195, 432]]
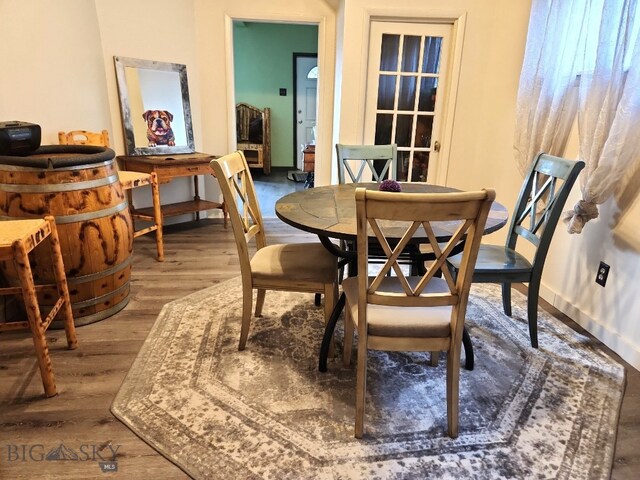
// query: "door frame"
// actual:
[[297, 55], [326, 64], [427, 15]]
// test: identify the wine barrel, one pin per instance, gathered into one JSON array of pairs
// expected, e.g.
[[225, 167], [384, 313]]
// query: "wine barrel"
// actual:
[[79, 186]]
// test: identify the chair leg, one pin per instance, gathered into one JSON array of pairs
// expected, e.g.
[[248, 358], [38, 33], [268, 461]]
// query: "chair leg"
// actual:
[[157, 215], [348, 338], [317, 299], [453, 382], [532, 310], [61, 282], [330, 298], [25, 276], [260, 301], [469, 359], [506, 299], [435, 356], [247, 300], [361, 386]]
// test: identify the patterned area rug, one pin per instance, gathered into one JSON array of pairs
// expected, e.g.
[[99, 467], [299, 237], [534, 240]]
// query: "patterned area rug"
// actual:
[[267, 412]]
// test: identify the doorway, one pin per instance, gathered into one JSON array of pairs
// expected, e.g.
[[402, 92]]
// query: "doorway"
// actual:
[[263, 74], [305, 81]]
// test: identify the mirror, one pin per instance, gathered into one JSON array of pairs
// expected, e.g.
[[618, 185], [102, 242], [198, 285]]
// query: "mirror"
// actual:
[[154, 104]]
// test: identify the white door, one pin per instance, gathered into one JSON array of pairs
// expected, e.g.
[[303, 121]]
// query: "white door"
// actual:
[[306, 93], [406, 92]]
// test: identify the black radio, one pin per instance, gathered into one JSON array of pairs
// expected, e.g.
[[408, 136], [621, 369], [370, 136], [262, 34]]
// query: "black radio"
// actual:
[[19, 138]]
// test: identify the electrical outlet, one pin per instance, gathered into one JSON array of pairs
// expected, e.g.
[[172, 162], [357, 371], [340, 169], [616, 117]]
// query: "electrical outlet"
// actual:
[[603, 274]]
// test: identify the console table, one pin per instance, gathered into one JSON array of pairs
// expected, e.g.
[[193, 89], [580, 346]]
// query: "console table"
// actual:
[[168, 167]]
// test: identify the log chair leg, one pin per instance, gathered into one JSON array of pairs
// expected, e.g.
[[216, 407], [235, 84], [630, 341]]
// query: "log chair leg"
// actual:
[[61, 282], [25, 276], [157, 215]]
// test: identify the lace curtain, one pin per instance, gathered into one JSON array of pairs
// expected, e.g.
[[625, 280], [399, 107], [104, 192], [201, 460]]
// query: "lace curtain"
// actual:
[[547, 97], [582, 56], [609, 110]]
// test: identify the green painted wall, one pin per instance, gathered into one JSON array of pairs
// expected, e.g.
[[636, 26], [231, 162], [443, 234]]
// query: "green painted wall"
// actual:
[[263, 64]]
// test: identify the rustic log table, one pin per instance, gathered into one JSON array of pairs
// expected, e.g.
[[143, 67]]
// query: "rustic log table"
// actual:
[[168, 167]]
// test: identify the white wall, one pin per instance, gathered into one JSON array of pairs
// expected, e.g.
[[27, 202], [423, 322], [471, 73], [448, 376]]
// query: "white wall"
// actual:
[[611, 313], [160, 30], [52, 66]]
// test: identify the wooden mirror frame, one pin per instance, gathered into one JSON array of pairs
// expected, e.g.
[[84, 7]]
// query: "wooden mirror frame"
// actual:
[[125, 107]]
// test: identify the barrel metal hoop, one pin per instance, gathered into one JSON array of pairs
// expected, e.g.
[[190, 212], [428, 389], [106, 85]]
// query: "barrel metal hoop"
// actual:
[[94, 317], [104, 273], [78, 217], [101, 298], [58, 187], [83, 217], [16, 168]]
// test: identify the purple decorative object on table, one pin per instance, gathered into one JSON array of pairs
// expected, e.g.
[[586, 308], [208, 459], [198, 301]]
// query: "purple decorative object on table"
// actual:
[[390, 186]]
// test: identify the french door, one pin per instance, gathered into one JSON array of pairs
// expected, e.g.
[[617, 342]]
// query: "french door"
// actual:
[[406, 93]]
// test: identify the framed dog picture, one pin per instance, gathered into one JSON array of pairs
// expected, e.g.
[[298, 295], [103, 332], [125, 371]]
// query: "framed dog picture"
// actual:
[[154, 104]]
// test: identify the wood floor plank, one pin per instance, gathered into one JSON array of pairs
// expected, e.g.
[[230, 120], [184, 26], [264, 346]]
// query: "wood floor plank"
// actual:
[[199, 254]]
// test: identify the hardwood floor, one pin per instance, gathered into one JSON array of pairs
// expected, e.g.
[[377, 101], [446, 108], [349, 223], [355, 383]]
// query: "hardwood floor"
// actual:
[[198, 255]]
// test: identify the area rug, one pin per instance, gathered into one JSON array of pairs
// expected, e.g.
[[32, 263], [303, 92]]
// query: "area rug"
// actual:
[[267, 412]]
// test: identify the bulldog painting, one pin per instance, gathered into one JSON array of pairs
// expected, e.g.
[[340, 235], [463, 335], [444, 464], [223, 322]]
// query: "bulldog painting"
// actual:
[[159, 128]]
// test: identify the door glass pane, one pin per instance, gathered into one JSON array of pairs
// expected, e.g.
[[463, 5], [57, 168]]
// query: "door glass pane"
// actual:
[[384, 121], [386, 92], [406, 102], [431, 58], [410, 53], [424, 127], [404, 124], [428, 88], [403, 166], [420, 166], [407, 93], [389, 52]]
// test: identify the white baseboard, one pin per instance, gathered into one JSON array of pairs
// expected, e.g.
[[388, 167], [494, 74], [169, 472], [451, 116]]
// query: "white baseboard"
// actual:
[[620, 344]]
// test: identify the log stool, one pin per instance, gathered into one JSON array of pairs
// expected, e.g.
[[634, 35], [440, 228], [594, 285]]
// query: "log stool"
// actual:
[[17, 239]]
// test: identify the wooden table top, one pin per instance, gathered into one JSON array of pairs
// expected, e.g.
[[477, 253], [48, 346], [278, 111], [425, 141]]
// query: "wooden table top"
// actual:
[[330, 211], [169, 160]]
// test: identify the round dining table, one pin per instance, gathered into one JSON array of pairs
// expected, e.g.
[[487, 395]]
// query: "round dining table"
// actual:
[[330, 212]]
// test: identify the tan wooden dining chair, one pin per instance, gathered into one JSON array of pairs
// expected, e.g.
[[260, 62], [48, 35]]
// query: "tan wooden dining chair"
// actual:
[[18, 238], [298, 267], [129, 180], [413, 313]]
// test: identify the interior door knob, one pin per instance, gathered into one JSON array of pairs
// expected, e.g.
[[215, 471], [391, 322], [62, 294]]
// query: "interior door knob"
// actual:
[[300, 122]]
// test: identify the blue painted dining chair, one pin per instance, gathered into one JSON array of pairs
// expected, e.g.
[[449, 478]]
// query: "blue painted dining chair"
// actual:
[[380, 161], [541, 201], [356, 163]]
